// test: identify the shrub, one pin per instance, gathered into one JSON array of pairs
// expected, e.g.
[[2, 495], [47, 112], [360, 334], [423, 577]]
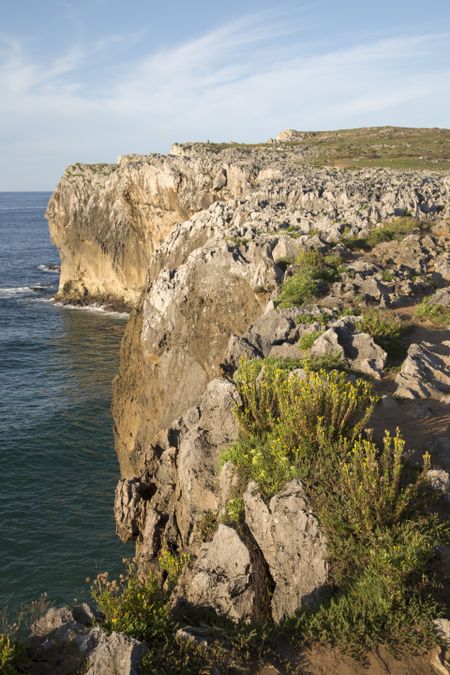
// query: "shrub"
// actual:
[[437, 314], [386, 603], [332, 361], [8, 655], [385, 327], [394, 229], [310, 280], [308, 339], [370, 480], [370, 503], [133, 605], [285, 418]]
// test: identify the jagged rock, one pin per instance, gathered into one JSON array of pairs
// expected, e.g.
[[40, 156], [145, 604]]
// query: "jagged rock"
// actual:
[[199, 453], [425, 373], [441, 297], [440, 481], [181, 482], [107, 220], [129, 507], [292, 544], [221, 579], [440, 451], [359, 349], [240, 348], [61, 630]]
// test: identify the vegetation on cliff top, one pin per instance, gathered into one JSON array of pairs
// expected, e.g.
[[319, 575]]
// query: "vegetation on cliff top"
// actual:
[[385, 147], [372, 504]]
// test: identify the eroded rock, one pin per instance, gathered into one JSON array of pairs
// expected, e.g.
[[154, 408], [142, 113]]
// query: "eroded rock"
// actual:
[[289, 537], [425, 373]]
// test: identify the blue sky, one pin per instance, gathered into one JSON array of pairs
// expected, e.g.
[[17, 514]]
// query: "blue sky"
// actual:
[[87, 80]]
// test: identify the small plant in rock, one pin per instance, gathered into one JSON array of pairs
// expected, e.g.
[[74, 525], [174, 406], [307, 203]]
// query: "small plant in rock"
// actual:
[[308, 339], [394, 229], [9, 655], [208, 523], [332, 361], [388, 275], [436, 313], [385, 327], [310, 279], [235, 510]]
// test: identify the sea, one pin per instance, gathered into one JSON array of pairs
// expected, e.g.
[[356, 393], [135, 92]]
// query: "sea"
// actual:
[[58, 467]]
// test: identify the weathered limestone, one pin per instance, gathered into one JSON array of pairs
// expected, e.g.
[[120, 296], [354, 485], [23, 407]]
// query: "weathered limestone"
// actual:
[[221, 579], [358, 349], [425, 373], [292, 544], [68, 636], [107, 220]]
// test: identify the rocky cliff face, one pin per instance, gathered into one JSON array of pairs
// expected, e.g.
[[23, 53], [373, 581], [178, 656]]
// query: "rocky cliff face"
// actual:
[[199, 242], [107, 220]]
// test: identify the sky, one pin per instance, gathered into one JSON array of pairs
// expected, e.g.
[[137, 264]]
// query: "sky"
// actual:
[[88, 80]]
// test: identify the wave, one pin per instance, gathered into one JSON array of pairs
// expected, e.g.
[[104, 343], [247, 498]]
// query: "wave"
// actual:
[[11, 292], [17, 290], [97, 308], [51, 268]]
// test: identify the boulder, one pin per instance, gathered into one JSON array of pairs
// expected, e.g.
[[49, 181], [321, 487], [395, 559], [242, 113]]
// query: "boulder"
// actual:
[[440, 481], [221, 579], [292, 544], [358, 349], [425, 373], [70, 631]]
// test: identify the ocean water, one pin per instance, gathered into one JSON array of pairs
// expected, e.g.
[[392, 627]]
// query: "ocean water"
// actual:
[[58, 468]]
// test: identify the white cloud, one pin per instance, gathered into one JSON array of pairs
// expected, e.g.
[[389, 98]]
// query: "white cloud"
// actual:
[[244, 81]]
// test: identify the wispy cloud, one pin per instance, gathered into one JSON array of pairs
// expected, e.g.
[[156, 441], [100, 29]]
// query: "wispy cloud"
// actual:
[[244, 80]]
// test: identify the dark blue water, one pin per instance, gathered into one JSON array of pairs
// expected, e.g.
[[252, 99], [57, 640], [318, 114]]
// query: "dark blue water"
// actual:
[[58, 467]]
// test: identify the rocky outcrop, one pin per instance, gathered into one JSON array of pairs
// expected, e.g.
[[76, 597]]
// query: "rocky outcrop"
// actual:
[[222, 577], [66, 640], [359, 350], [425, 373], [292, 544], [107, 220], [199, 243]]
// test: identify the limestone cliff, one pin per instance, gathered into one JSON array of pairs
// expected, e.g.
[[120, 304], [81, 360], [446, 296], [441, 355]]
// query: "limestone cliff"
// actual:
[[200, 243], [107, 220]]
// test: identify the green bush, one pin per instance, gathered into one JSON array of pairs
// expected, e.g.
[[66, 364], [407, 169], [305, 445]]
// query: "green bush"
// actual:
[[308, 339], [310, 280], [133, 605], [395, 229], [386, 328], [388, 602], [437, 314], [371, 504], [284, 420], [9, 652], [332, 361]]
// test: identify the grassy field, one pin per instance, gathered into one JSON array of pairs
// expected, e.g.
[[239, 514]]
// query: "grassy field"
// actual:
[[391, 147]]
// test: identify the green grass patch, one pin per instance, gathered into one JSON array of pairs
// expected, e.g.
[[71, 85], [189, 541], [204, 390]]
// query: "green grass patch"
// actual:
[[308, 339], [311, 277], [386, 328], [436, 313]]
